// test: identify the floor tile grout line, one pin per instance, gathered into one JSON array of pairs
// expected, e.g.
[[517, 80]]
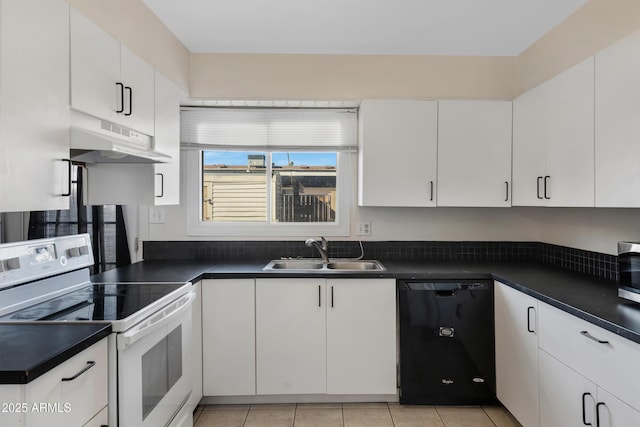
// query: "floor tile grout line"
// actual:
[[489, 416], [393, 422]]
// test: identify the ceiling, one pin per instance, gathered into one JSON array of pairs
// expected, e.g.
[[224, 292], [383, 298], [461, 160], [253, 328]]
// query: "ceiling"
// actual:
[[376, 27]]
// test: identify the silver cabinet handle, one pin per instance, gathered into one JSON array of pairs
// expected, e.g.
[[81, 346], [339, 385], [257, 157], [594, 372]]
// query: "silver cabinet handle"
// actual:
[[431, 191], [90, 364], [591, 337], [506, 198]]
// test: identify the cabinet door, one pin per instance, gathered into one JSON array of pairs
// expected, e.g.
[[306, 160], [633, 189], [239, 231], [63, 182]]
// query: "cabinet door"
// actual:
[[196, 354], [167, 141], [570, 146], [228, 337], [361, 336], [76, 400], [567, 398], [398, 152], [617, 128], [530, 147], [95, 69], [138, 79], [291, 336], [474, 153], [517, 353], [34, 88], [604, 357], [612, 412], [14, 414]]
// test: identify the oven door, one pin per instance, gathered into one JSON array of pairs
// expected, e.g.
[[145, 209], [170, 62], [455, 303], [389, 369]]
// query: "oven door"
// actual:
[[154, 373]]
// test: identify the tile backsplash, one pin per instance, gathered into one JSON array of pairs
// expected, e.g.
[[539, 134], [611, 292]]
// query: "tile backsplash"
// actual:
[[593, 263]]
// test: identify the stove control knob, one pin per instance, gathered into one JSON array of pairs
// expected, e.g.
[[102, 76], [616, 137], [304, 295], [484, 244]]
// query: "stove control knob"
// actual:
[[73, 252]]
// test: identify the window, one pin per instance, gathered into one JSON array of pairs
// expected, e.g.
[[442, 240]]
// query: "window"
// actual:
[[268, 172]]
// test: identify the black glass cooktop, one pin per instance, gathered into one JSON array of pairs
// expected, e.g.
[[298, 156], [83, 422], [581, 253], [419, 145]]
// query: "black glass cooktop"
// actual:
[[96, 302]]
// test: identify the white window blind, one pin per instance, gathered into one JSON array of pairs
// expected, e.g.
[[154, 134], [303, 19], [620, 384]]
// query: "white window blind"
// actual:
[[308, 129]]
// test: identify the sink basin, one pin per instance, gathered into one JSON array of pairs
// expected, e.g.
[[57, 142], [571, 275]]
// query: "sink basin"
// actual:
[[354, 265], [294, 264], [316, 265]]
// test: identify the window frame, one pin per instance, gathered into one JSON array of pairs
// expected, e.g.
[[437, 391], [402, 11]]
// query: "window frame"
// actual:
[[197, 227]]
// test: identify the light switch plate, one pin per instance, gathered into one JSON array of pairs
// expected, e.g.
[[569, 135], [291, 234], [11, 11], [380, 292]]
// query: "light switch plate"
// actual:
[[156, 215]]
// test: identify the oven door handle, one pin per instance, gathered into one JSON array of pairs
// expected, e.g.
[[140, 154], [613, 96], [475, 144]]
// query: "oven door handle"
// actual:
[[155, 322]]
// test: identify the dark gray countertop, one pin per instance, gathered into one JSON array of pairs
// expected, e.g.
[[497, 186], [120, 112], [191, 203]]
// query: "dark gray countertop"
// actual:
[[590, 298], [30, 350]]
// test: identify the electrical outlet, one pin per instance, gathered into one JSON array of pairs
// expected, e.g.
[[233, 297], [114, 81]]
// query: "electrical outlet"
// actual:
[[364, 228], [156, 215]]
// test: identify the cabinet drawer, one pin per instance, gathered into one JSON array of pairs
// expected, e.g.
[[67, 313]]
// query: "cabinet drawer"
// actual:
[[61, 400], [610, 363]]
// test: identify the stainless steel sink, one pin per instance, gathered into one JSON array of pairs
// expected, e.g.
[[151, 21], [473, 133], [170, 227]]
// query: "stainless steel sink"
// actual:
[[355, 265], [316, 265], [294, 264]]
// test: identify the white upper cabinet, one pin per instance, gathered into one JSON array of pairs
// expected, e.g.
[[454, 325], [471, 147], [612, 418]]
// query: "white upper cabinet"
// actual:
[[474, 153], [397, 152], [617, 130], [107, 80], [138, 79], [167, 141], [553, 141], [34, 113]]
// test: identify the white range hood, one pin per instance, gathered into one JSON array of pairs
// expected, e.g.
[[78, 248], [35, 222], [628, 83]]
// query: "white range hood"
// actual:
[[94, 140]]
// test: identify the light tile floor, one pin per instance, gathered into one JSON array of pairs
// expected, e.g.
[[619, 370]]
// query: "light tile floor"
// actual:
[[352, 415]]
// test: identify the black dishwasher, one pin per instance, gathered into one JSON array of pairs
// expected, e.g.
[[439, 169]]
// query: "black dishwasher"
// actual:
[[447, 343]]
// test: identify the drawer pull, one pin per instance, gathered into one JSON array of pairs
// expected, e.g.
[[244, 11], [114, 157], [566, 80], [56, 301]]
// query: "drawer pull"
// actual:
[[591, 337], [90, 364]]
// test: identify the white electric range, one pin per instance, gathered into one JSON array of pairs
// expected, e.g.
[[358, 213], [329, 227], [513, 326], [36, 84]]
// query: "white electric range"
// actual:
[[149, 349]]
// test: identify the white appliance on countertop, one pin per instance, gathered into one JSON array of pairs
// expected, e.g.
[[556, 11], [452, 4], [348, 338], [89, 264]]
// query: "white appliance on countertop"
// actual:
[[149, 350]]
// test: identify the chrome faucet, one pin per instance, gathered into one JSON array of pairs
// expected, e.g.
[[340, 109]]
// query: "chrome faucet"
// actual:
[[322, 248]]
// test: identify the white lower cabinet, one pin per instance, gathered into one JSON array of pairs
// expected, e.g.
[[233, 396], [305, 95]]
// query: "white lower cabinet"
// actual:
[[567, 399], [605, 358], [613, 412], [517, 353], [299, 336], [228, 337], [572, 374], [71, 394], [291, 336], [361, 336]]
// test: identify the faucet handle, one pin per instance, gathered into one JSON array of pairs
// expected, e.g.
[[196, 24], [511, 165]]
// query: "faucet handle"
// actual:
[[325, 243]]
